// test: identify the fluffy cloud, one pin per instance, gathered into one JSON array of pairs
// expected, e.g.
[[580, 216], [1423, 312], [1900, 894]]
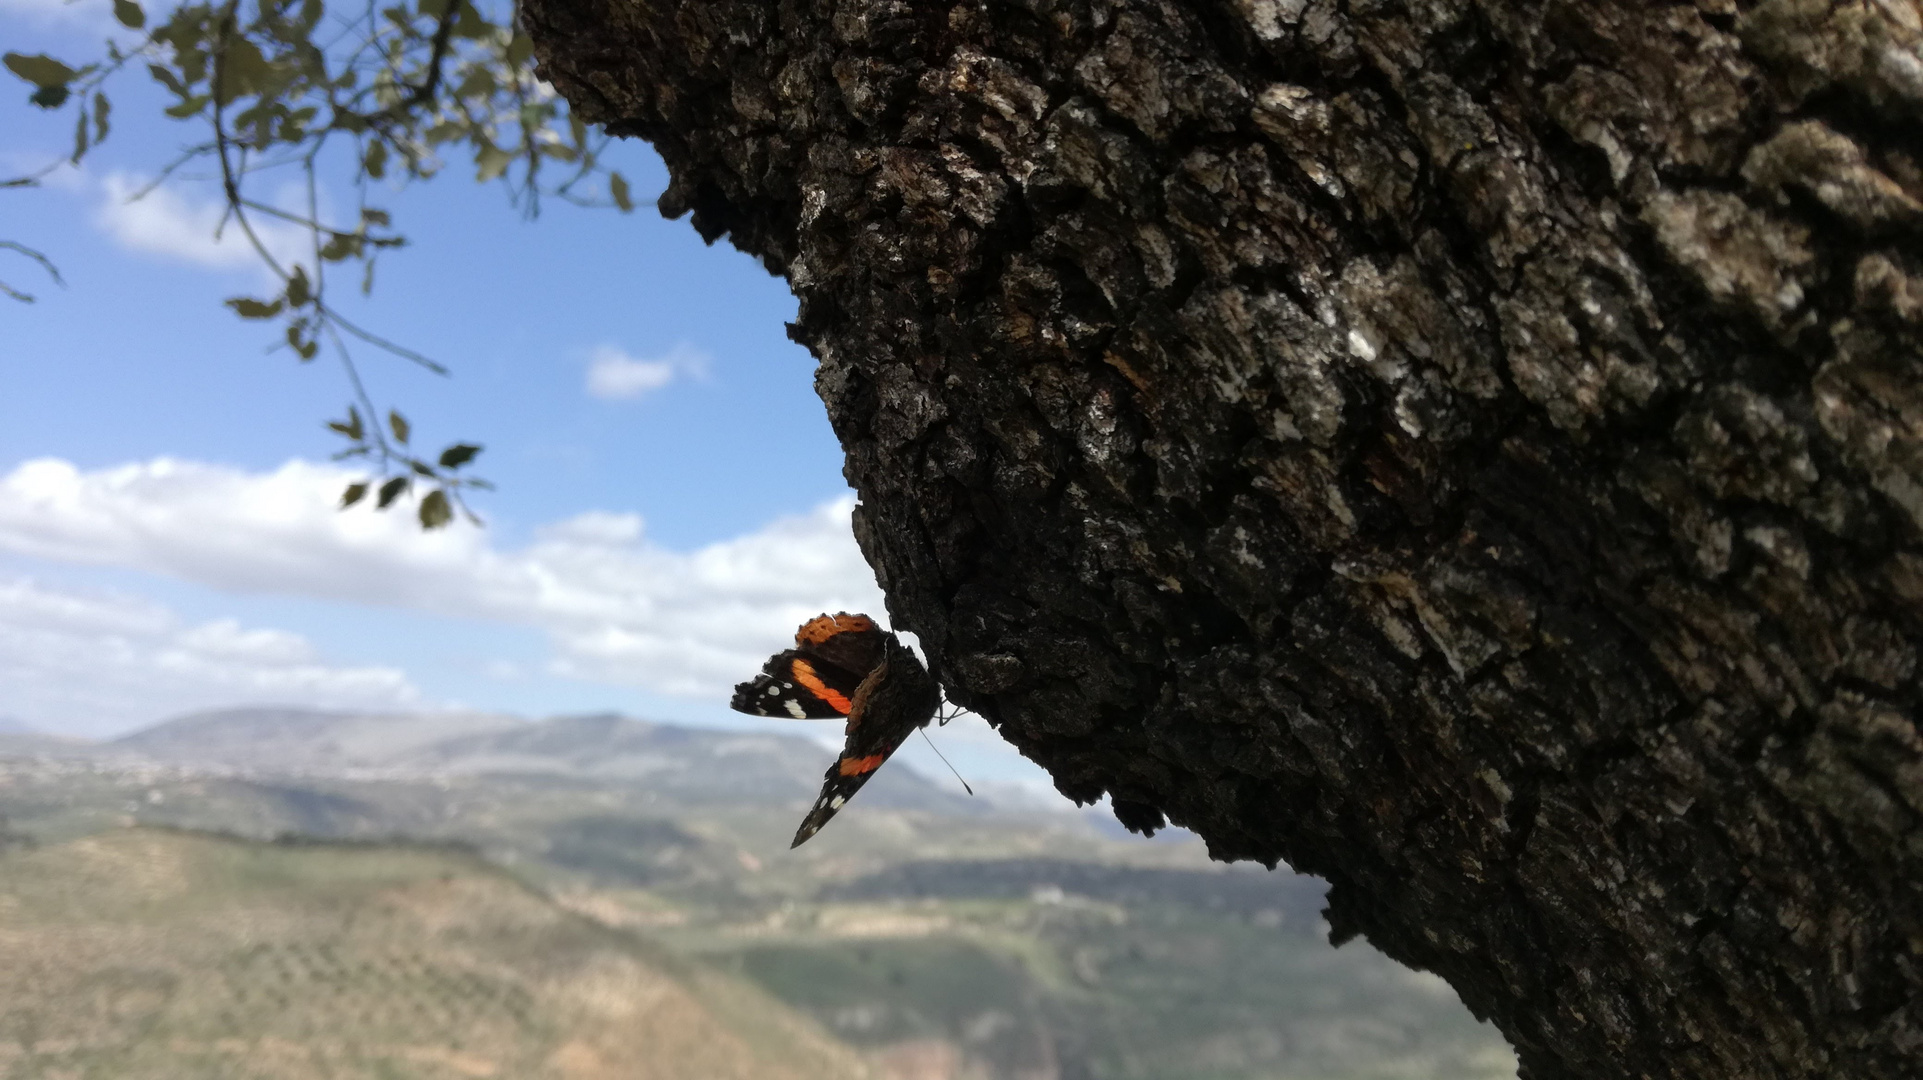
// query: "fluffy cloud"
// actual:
[[97, 662], [173, 224], [617, 608], [613, 375]]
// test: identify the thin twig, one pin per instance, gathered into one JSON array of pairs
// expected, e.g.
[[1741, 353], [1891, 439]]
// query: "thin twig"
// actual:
[[185, 157], [361, 395], [228, 183], [314, 231], [379, 342], [45, 263]]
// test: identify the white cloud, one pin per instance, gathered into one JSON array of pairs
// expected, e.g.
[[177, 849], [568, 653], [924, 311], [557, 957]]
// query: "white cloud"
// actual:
[[617, 608], [94, 663], [173, 224], [613, 375]]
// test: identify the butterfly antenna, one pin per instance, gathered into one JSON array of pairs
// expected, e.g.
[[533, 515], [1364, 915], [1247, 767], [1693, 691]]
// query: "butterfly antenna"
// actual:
[[945, 761]]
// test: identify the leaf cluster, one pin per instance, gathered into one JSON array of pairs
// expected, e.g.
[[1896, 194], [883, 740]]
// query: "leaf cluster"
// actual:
[[442, 475], [372, 98]]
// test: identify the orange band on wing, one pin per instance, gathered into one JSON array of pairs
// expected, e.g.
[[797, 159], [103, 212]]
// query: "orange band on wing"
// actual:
[[805, 675], [855, 766]]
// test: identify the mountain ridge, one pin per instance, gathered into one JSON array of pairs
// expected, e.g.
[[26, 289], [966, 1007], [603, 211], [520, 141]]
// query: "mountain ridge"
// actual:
[[688, 764]]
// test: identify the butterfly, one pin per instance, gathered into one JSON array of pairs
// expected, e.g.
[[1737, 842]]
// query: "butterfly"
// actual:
[[845, 665]]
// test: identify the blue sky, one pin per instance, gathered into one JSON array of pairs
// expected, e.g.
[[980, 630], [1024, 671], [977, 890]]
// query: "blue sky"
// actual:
[[670, 494]]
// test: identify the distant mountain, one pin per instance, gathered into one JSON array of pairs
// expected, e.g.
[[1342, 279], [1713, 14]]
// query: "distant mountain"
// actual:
[[683, 764], [303, 740], [21, 740]]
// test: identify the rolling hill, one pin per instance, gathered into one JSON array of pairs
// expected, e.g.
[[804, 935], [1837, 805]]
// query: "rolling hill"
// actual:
[[146, 954], [933, 937]]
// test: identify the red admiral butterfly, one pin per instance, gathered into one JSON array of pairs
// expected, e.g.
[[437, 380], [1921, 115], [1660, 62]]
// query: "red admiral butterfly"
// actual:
[[845, 665]]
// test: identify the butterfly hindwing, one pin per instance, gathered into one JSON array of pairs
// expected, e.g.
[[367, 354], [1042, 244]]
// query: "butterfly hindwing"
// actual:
[[895, 699], [845, 777], [852, 642]]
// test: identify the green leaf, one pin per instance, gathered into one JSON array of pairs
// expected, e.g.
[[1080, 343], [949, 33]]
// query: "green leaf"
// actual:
[[458, 455], [471, 24], [618, 187], [491, 161], [340, 246], [375, 217], [304, 347], [299, 292], [352, 428], [129, 14], [397, 424], [478, 83], [243, 70], [375, 160], [355, 493], [49, 97], [101, 106], [187, 108], [248, 308], [166, 78], [40, 69], [79, 137], [520, 49], [435, 511], [391, 491]]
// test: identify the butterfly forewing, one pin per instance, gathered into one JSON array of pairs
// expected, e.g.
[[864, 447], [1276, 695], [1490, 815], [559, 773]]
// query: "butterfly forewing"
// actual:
[[799, 687]]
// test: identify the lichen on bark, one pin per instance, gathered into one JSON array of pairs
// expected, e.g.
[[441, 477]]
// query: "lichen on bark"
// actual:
[[1469, 449]]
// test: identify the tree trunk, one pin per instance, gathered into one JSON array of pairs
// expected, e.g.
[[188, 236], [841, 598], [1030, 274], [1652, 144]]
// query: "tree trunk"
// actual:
[[1469, 449]]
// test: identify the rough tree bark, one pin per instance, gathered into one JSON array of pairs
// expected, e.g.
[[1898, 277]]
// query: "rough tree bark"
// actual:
[[1469, 449]]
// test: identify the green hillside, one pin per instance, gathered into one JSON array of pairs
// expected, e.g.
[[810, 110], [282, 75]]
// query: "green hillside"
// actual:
[[144, 954], [937, 938]]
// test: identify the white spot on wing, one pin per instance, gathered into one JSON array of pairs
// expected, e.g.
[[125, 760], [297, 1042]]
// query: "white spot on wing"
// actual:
[[795, 710]]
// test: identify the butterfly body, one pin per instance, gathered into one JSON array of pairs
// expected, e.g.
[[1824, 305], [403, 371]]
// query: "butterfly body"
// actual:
[[845, 665]]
